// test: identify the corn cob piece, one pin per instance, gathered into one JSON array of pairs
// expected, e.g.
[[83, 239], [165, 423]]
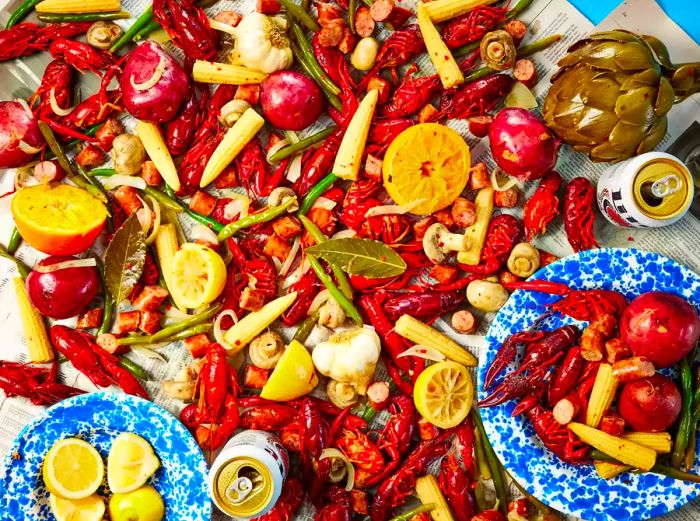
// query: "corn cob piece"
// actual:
[[475, 235], [420, 333], [78, 6], [625, 451], [352, 147], [428, 491], [441, 10], [602, 395], [215, 72], [445, 64], [607, 470], [657, 441], [39, 347], [237, 137], [166, 246], [152, 140], [251, 325]]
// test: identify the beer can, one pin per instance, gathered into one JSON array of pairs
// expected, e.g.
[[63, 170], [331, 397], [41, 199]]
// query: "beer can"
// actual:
[[648, 191], [246, 478]]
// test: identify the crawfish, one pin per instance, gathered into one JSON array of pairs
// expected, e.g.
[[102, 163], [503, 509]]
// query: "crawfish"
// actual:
[[76, 348], [390, 229], [383, 132], [27, 38], [578, 214], [57, 81], [542, 207], [456, 487], [307, 287], [314, 438], [534, 381], [80, 55], [317, 163], [188, 27], [332, 62], [412, 94], [123, 378], [566, 376], [398, 49], [506, 353], [587, 304], [37, 384], [271, 417], [180, 131], [339, 507], [362, 453], [196, 158], [472, 26], [423, 305], [475, 98], [96, 108], [503, 233], [557, 438], [289, 502], [253, 169], [393, 343]]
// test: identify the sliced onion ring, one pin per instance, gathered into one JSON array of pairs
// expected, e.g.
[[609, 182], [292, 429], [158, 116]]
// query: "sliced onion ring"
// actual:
[[325, 203], [389, 209], [114, 181], [218, 333], [292, 255], [425, 352], [27, 148], [223, 27], [276, 148], [319, 300], [294, 170], [156, 220], [54, 104], [344, 234], [512, 181], [204, 234], [73, 263], [335, 453], [155, 77]]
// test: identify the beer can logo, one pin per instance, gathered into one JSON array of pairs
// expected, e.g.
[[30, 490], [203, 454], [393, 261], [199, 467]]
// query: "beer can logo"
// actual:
[[605, 202]]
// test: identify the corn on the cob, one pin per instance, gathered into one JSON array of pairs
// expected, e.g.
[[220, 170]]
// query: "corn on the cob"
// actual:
[[215, 72], [153, 142], [445, 64], [237, 137], [255, 323], [420, 333], [352, 147], [428, 491], [658, 441], [607, 470], [166, 246], [39, 347], [602, 395], [622, 450], [475, 235], [78, 6], [441, 10]]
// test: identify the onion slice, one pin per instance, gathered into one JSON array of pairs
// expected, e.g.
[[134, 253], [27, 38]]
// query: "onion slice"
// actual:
[[54, 104], [204, 234], [155, 77], [114, 181], [156, 220], [73, 263], [294, 170], [335, 453], [292, 255], [345, 234], [148, 352], [276, 148], [319, 300], [297, 274], [221, 26], [425, 352], [325, 203], [27, 148], [218, 333], [512, 181], [390, 209]]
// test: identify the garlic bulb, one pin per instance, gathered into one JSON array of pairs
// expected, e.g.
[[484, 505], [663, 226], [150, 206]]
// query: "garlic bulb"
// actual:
[[262, 44]]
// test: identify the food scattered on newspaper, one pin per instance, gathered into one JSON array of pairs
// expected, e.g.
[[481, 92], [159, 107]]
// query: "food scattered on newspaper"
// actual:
[[278, 192]]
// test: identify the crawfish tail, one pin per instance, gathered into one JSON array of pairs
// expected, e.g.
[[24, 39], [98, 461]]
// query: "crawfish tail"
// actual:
[[475, 98]]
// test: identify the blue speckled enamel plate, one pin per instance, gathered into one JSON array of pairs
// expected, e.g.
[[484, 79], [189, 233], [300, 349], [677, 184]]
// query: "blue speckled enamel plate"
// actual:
[[578, 490], [98, 418]]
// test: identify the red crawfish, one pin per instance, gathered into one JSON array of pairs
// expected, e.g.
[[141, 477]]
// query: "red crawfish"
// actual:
[[475, 98], [503, 233], [57, 81], [362, 453], [542, 207], [80, 55], [316, 163], [37, 384], [123, 378], [188, 27], [358, 200], [314, 438], [423, 305], [588, 304], [383, 132], [566, 376], [579, 198], [507, 352], [272, 417], [472, 26], [289, 502], [456, 482], [390, 229], [76, 349], [307, 287], [349, 103], [180, 131], [96, 108], [27, 38], [332, 62], [398, 49], [253, 169], [338, 508], [412, 94], [194, 161]]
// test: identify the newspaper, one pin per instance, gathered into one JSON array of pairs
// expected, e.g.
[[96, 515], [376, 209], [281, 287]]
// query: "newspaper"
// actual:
[[680, 241]]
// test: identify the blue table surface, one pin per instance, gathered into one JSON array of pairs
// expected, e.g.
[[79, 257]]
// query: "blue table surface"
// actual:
[[678, 10]]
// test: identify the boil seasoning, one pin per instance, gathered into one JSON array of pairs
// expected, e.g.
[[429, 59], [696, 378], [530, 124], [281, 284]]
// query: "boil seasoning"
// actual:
[[651, 190], [246, 478]]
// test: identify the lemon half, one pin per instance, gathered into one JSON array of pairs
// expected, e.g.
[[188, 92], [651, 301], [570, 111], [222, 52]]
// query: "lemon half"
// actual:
[[91, 508], [73, 469], [293, 376], [197, 275], [444, 393], [130, 463]]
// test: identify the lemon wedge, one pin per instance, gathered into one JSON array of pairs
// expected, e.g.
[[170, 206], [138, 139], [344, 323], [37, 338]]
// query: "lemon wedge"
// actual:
[[91, 508], [443, 394], [73, 469], [130, 463], [198, 275], [293, 376]]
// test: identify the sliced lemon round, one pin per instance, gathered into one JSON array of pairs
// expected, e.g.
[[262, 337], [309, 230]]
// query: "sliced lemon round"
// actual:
[[131, 461], [91, 508], [444, 393], [426, 167], [293, 376], [73, 469], [197, 275]]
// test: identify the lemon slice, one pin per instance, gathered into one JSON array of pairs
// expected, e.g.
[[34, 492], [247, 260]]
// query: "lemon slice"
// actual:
[[427, 167], [130, 463], [91, 508], [444, 393], [73, 469], [143, 504], [293, 376], [198, 275]]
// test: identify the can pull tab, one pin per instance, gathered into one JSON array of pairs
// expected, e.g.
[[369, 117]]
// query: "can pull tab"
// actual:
[[666, 186], [239, 490]]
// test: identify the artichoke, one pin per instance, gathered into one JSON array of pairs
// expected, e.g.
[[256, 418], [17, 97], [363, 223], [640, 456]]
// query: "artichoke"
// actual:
[[612, 92]]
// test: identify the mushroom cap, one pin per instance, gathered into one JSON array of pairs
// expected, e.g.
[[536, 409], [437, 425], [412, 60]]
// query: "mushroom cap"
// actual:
[[432, 242]]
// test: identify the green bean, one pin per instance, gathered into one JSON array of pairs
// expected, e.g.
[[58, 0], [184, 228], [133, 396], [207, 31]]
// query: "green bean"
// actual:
[[696, 395], [685, 423], [91, 131], [22, 268], [369, 413], [134, 368], [92, 181], [21, 12], [692, 446], [14, 242], [338, 295], [163, 200], [518, 8], [83, 17], [202, 219], [664, 470], [304, 330], [102, 172], [315, 75], [168, 332], [190, 331], [148, 29], [406, 516], [352, 10], [305, 49], [246, 222], [300, 14], [482, 466], [499, 482], [305, 5], [318, 237], [143, 20], [302, 144], [316, 191], [106, 324]]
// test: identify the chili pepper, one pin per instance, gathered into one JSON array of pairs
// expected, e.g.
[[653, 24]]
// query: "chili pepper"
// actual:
[[543, 286], [168, 332], [316, 192], [14, 242], [318, 237], [21, 12], [22, 268], [395, 344], [406, 516], [300, 14], [304, 330], [302, 144], [134, 368], [664, 470], [106, 324], [338, 295], [76, 348], [497, 472], [143, 20], [686, 418], [246, 222], [82, 17], [318, 163], [146, 30]]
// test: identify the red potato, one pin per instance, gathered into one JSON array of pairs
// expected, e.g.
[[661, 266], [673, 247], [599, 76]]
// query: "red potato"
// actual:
[[290, 100], [651, 404], [660, 326], [62, 293], [149, 64], [19, 134]]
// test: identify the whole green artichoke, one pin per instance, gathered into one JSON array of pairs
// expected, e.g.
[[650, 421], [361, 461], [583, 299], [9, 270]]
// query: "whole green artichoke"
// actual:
[[612, 92]]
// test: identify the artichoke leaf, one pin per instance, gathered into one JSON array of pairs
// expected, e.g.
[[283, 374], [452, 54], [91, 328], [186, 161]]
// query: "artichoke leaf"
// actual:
[[648, 77], [686, 80], [636, 107], [654, 135], [605, 152], [664, 98], [620, 35], [660, 50], [635, 56], [596, 124], [626, 137]]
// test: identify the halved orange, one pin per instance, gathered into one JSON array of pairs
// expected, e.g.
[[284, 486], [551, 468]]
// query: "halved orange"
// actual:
[[58, 219], [426, 167]]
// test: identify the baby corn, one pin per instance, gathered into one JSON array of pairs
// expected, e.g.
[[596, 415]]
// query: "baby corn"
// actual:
[[607, 470], [251, 325], [166, 246], [420, 333], [445, 64], [623, 450], [657, 441], [441, 10], [428, 491], [352, 147], [214, 72], [602, 395], [153, 142], [78, 6], [39, 347]]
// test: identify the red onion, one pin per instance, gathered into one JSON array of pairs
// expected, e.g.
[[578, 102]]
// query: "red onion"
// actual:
[[20, 137], [290, 100]]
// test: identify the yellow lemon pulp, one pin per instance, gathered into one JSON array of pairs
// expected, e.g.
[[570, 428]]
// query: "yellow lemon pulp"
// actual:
[[73, 469], [198, 275], [293, 376], [130, 463], [143, 504], [444, 393], [91, 508]]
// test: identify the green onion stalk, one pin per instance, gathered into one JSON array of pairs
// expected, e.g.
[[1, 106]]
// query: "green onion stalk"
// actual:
[[316, 191], [142, 21], [21, 12]]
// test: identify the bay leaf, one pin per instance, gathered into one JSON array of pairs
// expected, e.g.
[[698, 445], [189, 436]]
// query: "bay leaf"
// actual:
[[124, 259], [371, 259]]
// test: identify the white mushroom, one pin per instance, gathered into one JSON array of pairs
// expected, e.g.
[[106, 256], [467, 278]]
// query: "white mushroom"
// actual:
[[266, 349], [486, 295], [341, 394], [524, 260], [438, 242]]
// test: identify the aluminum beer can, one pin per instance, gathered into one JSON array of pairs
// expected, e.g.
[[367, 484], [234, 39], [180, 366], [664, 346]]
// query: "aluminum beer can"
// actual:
[[246, 478], [648, 191]]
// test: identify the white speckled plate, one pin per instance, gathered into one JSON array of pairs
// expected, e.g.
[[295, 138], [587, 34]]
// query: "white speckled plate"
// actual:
[[98, 418], [578, 490]]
